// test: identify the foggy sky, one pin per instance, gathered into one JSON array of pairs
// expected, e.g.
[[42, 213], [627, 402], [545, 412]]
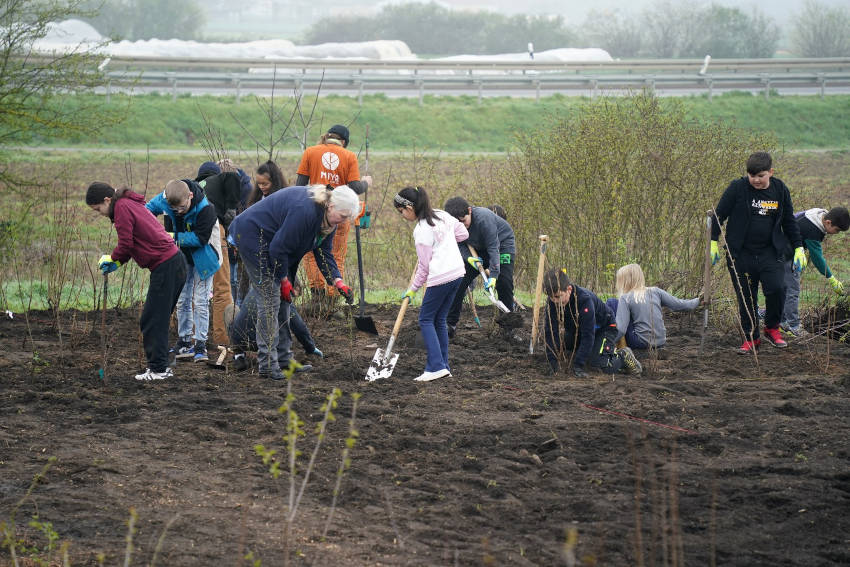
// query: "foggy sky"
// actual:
[[298, 15]]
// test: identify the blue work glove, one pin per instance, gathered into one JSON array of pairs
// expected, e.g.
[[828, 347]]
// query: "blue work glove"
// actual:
[[409, 294], [317, 352], [799, 259], [366, 220], [836, 284], [475, 262], [490, 285], [107, 264], [715, 252]]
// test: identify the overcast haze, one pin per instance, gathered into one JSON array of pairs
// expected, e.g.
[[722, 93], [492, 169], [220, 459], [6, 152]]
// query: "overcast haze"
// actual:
[[291, 17]]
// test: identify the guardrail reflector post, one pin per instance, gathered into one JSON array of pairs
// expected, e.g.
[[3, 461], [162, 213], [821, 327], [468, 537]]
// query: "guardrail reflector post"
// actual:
[[173, 80], [238, 84], [822, 81]]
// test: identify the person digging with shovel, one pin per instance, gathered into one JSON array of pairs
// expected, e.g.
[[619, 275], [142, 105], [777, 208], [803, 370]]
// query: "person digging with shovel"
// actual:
[[493, 239], [440, 267]]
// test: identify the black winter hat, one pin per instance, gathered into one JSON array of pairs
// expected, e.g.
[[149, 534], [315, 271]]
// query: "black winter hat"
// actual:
[[340, 131], [207, 169]]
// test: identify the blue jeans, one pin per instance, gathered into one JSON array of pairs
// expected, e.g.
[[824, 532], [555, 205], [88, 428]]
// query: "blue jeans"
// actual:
[[193, 307], [299, 330], [243, 330], [267, 289], [432, 323], [234, 283]]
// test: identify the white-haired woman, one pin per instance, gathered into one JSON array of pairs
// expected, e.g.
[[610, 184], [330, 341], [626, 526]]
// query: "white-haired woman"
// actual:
[[272, 236]]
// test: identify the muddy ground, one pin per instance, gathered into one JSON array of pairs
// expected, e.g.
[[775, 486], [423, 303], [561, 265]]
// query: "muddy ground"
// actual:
[[706, 459]]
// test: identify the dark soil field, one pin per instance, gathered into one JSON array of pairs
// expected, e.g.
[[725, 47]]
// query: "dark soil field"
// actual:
[[706, 459]]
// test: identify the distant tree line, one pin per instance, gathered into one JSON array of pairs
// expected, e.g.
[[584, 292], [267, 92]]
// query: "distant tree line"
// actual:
[[432, 29], [145, 19], [665, 29]]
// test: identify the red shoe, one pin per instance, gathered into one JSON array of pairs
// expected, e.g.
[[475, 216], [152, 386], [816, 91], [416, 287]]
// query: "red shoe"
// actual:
[[749, 346], [774, 337]]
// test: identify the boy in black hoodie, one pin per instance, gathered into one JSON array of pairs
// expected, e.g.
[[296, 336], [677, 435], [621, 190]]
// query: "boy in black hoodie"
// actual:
[[760, 226], [590, 329]]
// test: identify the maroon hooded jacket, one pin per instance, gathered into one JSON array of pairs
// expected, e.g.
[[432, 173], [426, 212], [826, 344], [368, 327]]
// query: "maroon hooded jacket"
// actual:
[[140, 235]]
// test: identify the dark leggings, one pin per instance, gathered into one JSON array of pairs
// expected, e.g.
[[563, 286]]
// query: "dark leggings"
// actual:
[[166, 283]]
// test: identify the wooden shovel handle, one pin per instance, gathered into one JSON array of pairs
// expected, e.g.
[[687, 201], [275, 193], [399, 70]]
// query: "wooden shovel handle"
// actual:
[[481, 270], [403, 309], [472, 302], [538, 290]]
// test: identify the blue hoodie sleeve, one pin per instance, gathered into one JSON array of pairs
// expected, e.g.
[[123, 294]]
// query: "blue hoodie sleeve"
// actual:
[[157, 205], [199, 234], [586, 331], [325, 259]]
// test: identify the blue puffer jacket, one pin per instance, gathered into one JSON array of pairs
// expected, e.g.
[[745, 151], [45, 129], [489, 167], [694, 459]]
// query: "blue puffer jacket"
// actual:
[[191, 230]]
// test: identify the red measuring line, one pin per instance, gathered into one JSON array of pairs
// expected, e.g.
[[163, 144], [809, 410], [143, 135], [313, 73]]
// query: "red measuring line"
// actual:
[[627, 416]]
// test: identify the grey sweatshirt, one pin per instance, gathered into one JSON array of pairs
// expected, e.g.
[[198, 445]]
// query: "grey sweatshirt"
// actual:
[[646, 315], [490, 235]]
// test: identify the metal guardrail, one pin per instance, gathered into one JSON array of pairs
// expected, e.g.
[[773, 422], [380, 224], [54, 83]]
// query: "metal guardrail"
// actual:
[[836, 64], [472, 76]]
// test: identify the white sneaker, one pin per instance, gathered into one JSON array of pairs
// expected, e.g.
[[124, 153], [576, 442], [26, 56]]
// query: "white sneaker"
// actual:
[[428, 376], [149, 374]]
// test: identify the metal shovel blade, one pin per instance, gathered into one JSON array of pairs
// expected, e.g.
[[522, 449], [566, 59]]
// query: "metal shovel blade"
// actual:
[[365, 324], [380, 367], [498, 303]]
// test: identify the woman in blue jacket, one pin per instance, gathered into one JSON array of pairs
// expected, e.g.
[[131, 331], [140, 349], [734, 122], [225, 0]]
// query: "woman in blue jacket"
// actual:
[[272, 236]]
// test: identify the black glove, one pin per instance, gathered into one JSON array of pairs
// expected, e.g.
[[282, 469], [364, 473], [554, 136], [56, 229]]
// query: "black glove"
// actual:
[[229, 215]]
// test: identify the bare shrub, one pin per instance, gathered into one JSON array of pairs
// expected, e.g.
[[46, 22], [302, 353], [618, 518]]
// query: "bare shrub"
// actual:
[[626, 180]]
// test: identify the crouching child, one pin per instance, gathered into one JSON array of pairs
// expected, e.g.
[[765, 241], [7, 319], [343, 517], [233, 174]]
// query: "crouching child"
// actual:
[[589, 326]]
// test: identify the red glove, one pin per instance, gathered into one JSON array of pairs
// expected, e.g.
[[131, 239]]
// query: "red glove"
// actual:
[[345, 291], [286, 290]]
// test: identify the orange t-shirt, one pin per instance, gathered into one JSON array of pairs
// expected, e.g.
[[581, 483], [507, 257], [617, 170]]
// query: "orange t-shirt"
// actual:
[[329, 164]]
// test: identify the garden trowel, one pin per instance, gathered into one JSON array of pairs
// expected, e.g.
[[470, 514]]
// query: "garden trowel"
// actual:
[[490, 295]]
